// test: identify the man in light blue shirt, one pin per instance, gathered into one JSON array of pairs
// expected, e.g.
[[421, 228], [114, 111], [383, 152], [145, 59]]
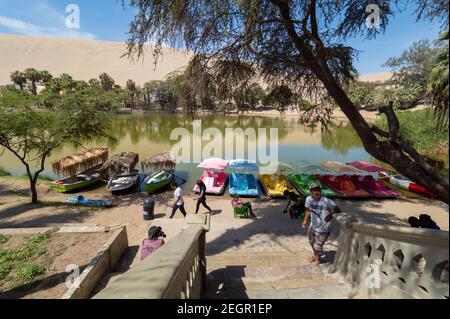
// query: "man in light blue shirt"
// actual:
[[321, 210]]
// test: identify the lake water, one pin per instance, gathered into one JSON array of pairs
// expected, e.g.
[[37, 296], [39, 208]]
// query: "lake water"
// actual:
[[148, 134]]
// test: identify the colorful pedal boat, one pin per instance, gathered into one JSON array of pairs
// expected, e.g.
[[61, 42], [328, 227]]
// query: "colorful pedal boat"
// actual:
[[275, 185], [343, 186], [215, 182], [82, 180], [302, 183], [404, 183], [375, 187], [243, 184], [158, 181]]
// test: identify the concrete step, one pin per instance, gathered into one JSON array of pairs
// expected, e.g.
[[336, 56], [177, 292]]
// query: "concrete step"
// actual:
[[330, 291], [306, 272], [233, 284]]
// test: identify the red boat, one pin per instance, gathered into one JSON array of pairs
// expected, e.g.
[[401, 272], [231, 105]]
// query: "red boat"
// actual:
[[343, 185], [375, 187]]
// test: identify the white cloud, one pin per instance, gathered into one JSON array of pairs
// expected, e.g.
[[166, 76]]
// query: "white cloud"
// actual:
[[54, 24]]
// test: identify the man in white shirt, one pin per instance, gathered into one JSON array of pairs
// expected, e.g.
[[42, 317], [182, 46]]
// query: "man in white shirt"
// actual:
[[179, 201], [321, 210]]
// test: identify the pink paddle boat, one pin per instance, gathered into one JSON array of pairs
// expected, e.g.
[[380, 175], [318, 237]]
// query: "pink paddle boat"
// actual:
[[375, 187], [213, 177]]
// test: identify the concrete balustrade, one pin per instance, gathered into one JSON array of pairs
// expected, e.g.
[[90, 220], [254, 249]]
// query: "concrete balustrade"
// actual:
[[392, 261], [175, 271]]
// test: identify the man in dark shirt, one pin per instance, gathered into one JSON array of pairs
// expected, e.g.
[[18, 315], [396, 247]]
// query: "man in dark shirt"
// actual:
[[298, 206], [201, 199]]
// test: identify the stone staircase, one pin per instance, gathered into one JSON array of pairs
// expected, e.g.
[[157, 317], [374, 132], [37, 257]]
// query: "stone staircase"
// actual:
[[271, 275]]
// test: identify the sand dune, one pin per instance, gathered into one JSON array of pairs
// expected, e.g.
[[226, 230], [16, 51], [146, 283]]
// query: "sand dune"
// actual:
[[86, 59], [83, 59]]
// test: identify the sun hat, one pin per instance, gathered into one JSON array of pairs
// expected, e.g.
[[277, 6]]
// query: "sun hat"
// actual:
[[313, 186]]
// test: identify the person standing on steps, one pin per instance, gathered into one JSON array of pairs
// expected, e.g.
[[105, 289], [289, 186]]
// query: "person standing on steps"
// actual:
[[201, 199], [179, 201], [321, 210]]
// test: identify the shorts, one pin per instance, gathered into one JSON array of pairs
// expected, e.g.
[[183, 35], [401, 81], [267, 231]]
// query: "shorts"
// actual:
[[317, 240]]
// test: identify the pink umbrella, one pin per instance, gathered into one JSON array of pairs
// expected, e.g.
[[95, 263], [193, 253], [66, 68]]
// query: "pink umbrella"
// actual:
[[213, 164], [368, 167]]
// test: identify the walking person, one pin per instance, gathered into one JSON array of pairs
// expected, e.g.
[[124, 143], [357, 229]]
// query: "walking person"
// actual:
[[201, 199], [321, 210], [179, 201]]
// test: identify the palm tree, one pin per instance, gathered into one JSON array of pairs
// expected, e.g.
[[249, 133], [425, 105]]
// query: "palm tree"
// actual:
[[33, 76], [131, 91], [46, 76], [437, 88], [18, 78], [106, 81]]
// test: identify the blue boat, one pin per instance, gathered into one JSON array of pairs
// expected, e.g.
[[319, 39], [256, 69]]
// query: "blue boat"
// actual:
[[81, 200], [243, 184]]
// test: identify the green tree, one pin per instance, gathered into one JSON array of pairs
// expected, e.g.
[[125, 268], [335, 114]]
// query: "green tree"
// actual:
[[437, 86], [131, 90], [413, 66], [18, 78], [299, 43], [32, 135], [45, 76], [106, 81], [33, 76]]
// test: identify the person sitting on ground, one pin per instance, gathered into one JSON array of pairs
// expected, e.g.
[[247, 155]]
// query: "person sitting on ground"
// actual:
[[321, 210], [297, 207], [153, 242], [236, 203], [414, 222], [426, 222]]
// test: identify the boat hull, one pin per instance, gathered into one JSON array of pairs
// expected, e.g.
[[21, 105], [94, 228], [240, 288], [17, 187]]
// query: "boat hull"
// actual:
[[126, 187], [406, 184], [158, 181], [243, 185], [215, 182], [275, 185], [84, 179], [343, 186], [302, 183]]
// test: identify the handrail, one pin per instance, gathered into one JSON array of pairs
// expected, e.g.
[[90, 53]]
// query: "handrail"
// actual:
[[393, 261], [400, 233], [176, 270]]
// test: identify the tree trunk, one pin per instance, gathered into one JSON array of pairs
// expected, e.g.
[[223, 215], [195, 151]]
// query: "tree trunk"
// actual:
[[34, 195], [34, 88]]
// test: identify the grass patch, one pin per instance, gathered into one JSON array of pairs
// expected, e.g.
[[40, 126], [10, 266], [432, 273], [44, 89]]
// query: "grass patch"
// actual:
[[419, 128], [24, 264], [3, 239]]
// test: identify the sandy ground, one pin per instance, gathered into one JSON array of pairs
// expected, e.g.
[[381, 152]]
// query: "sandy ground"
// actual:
[[273, 230], [86, 59]]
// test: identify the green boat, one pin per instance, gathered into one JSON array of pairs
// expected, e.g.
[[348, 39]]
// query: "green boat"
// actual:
[[158, 181], [82, 180], [302, 182]]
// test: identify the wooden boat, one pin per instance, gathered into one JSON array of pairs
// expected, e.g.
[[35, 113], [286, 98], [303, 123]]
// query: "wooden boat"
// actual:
[[158, 181], [375, 187], [81, 200], [243, 184], [275, 185], [403, 182], [302, 182], [343, 186], [84, 179], [215, 182], [123, 184]]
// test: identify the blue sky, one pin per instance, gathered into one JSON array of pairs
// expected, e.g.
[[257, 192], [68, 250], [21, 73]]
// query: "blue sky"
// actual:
[[108, 20]]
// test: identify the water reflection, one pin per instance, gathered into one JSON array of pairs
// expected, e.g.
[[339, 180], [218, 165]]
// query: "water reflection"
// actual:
[[148, 134]]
